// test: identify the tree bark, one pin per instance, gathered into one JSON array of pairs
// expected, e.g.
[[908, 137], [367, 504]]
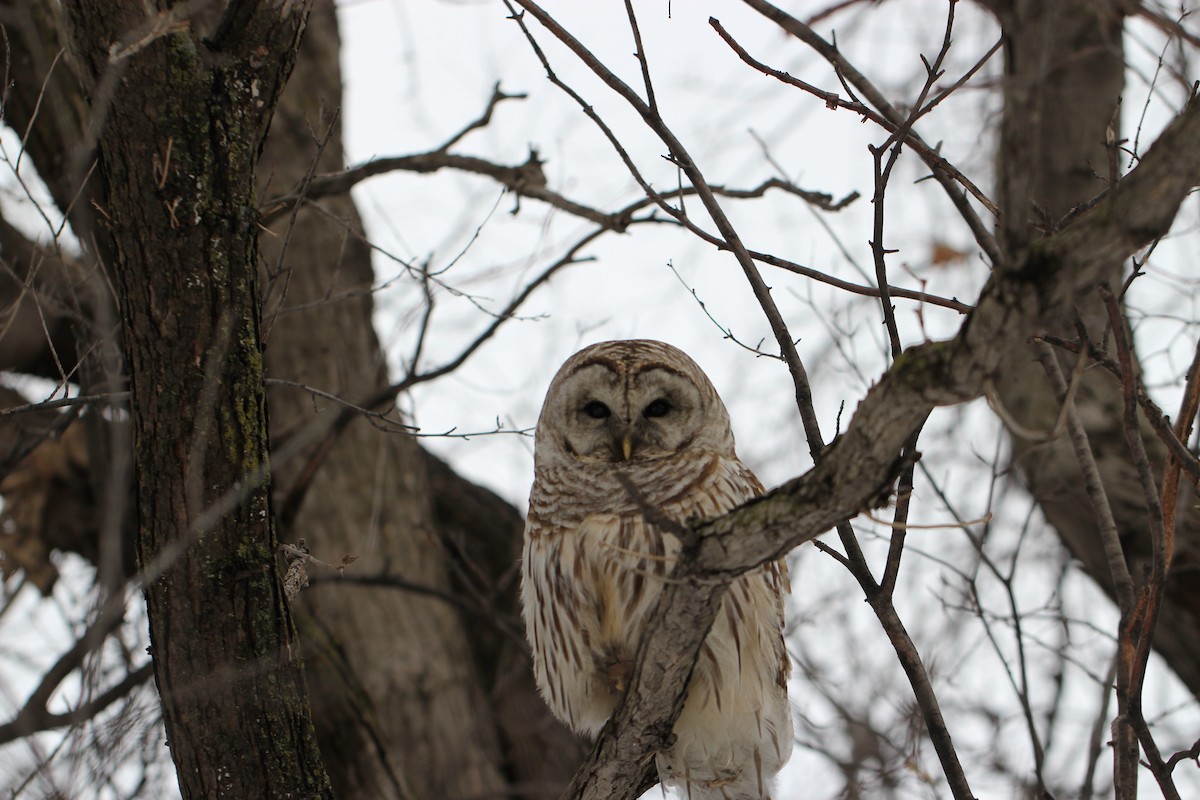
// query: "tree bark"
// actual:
[[372, 708], [180, 120], [402, 712], [1064, 78], [412, 697]]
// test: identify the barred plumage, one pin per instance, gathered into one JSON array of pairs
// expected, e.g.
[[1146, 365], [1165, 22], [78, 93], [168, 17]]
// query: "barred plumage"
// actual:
[[593, 565]]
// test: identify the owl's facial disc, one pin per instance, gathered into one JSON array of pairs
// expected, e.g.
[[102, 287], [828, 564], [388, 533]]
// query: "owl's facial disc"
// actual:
[[617, 417]]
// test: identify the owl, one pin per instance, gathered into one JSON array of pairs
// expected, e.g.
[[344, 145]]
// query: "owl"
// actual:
[[593, 565]]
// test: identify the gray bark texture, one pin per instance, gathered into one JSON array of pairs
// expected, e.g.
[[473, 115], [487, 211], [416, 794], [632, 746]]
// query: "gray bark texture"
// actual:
[[1063, 81], [177, 121], [413, 696]]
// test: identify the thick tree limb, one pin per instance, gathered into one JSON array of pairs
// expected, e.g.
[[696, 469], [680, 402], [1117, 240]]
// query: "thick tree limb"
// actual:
[[225, 653]]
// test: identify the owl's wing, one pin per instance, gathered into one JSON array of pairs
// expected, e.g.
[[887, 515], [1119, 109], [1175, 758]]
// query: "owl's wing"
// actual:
[[586, 592]]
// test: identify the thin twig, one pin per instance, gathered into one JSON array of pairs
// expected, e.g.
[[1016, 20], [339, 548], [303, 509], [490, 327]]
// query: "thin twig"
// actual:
[[640, 54], [107, 398], [883, 173], [1153, 414], [910, 660], [1137, 628], [900, 526], [484, 119], [385, 422], [1183, 432], [269, 300], [1106, 525], [34, 714], [942, 170]]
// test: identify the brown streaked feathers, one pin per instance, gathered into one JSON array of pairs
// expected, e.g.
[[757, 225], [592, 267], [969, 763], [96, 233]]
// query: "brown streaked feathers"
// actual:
[[594, 562]]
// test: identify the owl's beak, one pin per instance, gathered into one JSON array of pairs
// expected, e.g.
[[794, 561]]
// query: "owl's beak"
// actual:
[[627, 444]]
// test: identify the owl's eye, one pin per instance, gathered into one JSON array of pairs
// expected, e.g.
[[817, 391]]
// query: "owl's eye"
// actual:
[[657, 408], [596, 410]]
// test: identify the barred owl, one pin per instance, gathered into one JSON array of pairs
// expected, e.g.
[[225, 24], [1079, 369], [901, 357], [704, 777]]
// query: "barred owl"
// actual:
[[593, 565]]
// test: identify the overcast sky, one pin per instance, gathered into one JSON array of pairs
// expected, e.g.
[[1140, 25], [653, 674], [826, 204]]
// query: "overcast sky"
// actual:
[[417, 71]]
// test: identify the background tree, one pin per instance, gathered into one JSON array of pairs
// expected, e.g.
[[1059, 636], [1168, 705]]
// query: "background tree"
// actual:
[[434, 738], [414, 658]]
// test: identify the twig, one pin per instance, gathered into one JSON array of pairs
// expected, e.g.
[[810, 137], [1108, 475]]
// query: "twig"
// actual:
[[269, 300], [910, 660], [859, 289], [46, 720], [1154, 415], [35, 715], [942, 170], [331, 429], [1137, 628], [900, 526], [1110, 537], [928, 526], [1192, 753], [640, 55], [1096, 737], [385, 422], [962, 80], [726, 332], [1065, 404], [484, 119], [1167, 25], [1182, 433], [652, 513], [508, 626], [883, 173], [107, 398]]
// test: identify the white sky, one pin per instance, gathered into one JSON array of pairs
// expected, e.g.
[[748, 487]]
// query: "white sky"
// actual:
[[417, 70]]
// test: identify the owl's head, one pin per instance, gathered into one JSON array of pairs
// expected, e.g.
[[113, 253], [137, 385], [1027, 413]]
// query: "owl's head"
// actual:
[[628, 401]]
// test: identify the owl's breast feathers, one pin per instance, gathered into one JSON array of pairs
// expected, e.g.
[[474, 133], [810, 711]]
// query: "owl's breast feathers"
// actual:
[[591, 579]]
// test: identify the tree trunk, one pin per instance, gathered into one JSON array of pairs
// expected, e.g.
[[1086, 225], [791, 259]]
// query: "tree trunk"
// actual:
[[406, 690], [1064, 78], [412, 698], [180, 120]]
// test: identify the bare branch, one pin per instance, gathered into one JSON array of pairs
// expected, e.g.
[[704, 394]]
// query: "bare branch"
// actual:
[[1010, 308], [1154, 415], [945, 174], [1138, 623], [28, 721], [1110, 537], [684, 161], [484, 119], [65, 402], [384, 422], [35, 716]]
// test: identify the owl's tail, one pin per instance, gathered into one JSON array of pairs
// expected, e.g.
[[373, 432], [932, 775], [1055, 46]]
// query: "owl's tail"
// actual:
[[749, 782]]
